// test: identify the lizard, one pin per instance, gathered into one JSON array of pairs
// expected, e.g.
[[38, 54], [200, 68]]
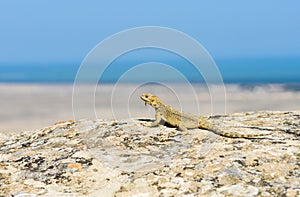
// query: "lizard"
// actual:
[[183, 120]]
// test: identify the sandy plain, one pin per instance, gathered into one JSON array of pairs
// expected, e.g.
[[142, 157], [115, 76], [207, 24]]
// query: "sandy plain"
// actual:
[[25, 107]]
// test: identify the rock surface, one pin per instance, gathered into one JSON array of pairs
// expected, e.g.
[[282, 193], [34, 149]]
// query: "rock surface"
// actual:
[[124, 158]]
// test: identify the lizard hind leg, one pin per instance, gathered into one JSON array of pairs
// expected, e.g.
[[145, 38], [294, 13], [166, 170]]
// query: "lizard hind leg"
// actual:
[[182, 127]]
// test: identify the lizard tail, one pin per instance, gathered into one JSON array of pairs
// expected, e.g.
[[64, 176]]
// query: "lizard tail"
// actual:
[[236, 135], [206, 124]]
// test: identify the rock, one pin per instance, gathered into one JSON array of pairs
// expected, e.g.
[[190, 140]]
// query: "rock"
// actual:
[[239, 190], [124, 158]]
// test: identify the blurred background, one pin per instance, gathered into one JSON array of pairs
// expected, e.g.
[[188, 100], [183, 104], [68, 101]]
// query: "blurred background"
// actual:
[[255, 44]]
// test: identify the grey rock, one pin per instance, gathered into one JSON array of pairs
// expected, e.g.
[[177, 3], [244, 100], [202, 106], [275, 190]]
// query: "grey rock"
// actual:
[[124, 158]]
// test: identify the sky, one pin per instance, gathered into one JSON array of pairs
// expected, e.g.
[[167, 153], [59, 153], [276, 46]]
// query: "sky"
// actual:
[[65, 31]]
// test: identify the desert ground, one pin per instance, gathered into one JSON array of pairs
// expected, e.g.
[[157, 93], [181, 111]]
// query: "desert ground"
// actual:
[[27, 107]]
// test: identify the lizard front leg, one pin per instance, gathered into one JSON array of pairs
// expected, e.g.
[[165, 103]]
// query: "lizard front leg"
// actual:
[[158, 118]]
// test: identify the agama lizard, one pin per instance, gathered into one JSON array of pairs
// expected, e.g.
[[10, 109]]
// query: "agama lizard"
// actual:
[[185, 121]]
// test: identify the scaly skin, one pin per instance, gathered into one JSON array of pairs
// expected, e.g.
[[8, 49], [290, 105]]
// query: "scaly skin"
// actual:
[[183, 120]]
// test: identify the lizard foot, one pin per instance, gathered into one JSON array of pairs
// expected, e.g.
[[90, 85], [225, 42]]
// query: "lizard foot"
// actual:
[[146, 124]]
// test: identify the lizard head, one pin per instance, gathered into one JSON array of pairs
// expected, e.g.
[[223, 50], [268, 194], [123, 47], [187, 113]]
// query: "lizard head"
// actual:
[[150, 100]]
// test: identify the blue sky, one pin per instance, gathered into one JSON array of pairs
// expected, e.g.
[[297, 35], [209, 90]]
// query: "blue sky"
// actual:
[[65, 31]]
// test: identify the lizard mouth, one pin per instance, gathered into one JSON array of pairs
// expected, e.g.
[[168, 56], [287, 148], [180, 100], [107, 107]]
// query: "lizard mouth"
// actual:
[[145, 98]]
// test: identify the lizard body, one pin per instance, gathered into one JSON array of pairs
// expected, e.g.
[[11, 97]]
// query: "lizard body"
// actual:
[[183, 120]]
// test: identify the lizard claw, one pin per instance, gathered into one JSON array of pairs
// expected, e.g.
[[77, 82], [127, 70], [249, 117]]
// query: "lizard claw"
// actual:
[[145, 124]]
